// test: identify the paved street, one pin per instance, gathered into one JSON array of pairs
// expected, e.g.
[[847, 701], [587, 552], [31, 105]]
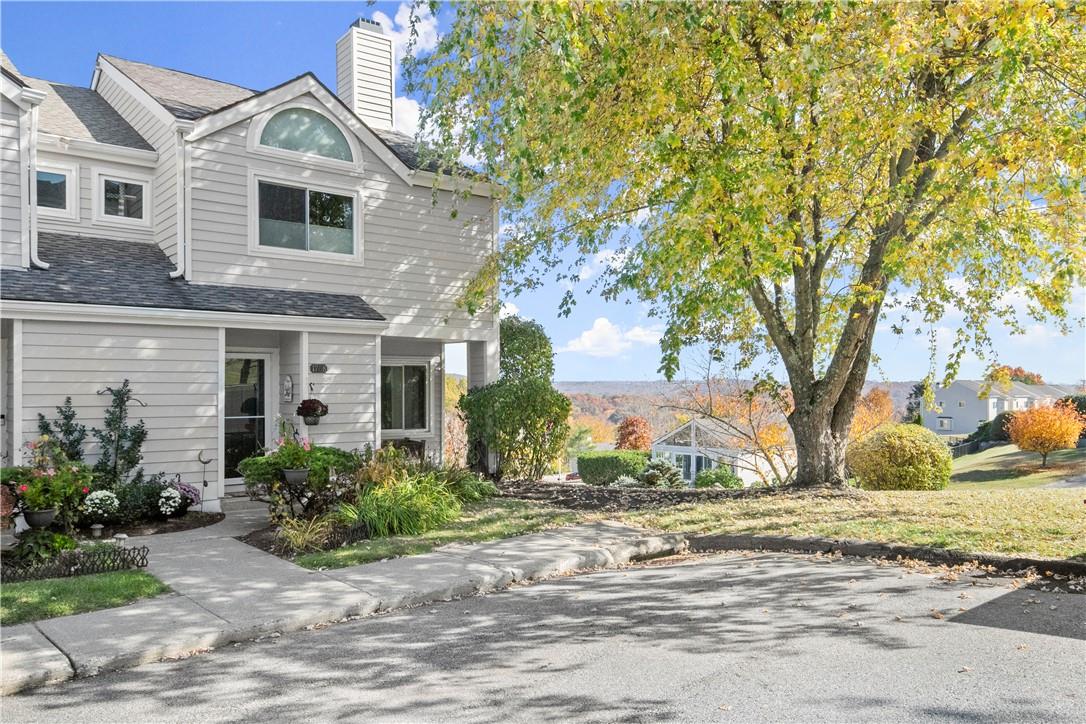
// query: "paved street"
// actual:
[[728, 638]]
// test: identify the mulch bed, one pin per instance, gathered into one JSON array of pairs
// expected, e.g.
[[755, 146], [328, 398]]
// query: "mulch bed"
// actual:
[[262, 538], [190, 520], [579, 496]]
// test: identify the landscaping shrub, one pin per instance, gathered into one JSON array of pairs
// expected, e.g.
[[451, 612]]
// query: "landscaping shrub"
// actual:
[[101, 506], [900, 457], [67, 433], [139, 499], [525, 423], [407, 504], [303, 535], [718, 477], [626, 481], [468, 487], [661, 473], [997, 429], [120, 445], [316, 494], [39, 545], [606, 466]]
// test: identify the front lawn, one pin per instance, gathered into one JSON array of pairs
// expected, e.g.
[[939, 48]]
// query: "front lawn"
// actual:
[[1005, 466], [1048, 523], [35, 600], [487, 520]]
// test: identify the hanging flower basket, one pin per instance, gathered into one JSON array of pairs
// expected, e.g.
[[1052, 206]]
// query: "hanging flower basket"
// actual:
[[311, 411]]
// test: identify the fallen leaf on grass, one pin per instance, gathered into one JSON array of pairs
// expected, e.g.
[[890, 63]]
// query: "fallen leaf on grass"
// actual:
[[936, 613], [965, 669]]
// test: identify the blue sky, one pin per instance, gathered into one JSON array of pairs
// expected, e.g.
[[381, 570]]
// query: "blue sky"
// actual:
[[259, 45]]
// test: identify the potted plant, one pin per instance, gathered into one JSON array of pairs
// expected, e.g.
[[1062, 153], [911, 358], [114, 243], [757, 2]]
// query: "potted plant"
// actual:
[[311, 411], [292, 456], [52, 482]]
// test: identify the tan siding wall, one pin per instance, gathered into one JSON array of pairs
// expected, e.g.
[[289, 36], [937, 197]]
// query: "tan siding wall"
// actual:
[[11, 209], [174, 370], [86, 225], [348, 388], [418, 260], [163, 138]]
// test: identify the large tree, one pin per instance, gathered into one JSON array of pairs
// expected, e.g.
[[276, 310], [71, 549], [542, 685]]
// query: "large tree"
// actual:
[[777, 177]]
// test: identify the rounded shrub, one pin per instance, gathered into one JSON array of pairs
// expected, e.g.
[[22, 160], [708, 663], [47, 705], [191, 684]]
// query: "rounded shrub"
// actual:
[[997, 429], [720, 477], [606, 466], [661, 473], [900, 457], [626, 481]]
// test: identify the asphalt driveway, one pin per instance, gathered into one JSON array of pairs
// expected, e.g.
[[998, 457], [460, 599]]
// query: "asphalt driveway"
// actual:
[[766, 637]]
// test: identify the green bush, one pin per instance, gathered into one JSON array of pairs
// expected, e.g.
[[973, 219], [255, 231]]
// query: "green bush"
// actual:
[[317, 494], [606, 466], [467, 486], [661, 473], [997, 428], [718, 477], [40, 545], [626, 481], [900, 457], [524, 422], [409, 505]]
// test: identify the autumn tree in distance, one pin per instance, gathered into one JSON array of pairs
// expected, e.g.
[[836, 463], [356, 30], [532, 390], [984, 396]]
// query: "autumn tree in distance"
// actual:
[[634, 433], [775, 177], [1046, 429]]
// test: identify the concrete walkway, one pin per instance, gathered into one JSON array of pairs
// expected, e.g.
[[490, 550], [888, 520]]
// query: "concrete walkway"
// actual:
[[225, 591]]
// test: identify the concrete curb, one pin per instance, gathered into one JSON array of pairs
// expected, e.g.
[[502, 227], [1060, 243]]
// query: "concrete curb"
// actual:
[[35, 657], [870, 549]]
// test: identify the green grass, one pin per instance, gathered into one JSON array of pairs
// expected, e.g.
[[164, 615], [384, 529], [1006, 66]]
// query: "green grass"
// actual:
[[35, 600], [487, 520], [1047, 523], [1005, 466]]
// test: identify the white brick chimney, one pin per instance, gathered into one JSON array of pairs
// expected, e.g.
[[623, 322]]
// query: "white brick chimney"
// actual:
[[364, 73]]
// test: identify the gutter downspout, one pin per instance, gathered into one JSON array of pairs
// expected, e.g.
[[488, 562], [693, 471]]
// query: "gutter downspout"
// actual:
[[33, 181], [179, 180]]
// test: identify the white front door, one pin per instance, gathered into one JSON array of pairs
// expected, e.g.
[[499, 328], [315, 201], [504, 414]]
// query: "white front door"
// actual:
[[247, 419]]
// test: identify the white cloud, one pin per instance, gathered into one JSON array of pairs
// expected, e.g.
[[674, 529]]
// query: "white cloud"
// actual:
[[405, 112], [606, 339], [600, 261], [508, 309]]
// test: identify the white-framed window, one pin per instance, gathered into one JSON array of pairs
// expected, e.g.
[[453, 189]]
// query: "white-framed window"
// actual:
[[292, 218], [405, 397], [945, 423], [121, 198], [303, 130], [58, 190]]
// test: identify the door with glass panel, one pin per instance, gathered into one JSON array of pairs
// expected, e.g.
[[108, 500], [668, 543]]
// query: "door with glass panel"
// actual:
[[245, 409]]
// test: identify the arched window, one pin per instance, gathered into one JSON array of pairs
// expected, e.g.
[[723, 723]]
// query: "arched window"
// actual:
[[306, 131]]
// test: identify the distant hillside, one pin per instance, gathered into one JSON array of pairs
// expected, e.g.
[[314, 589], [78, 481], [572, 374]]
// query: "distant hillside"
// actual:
[[611, 400]]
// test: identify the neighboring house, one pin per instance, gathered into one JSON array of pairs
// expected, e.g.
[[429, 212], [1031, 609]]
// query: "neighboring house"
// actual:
[[701, 444], [964, 404], [232, 252]]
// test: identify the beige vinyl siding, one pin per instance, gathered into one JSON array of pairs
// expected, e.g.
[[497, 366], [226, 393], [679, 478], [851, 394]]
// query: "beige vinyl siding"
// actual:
[[349, 388], [417, 260], [11, 206], [164, 140], [86, 226], [290, 363], [364, 75], [173, 370], [7, 369]]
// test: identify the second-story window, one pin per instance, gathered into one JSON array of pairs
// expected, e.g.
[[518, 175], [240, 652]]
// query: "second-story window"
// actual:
[[121, 198], [305, 219], [305, 131], [57, 187]]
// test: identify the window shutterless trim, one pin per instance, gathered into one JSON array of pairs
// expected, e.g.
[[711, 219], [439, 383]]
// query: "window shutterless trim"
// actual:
[[99, 176], [70, 212], [357, 213], [408, 362]]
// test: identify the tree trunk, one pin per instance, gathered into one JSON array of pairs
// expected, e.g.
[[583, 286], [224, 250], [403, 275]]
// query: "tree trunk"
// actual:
[[820, 455]]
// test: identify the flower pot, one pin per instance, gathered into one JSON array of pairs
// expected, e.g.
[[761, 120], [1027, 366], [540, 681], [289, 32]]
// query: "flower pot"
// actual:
[[312, 419], [296, 477], [40, 518]]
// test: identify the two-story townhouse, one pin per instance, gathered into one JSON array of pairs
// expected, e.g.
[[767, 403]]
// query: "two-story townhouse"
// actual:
[[232, 252], [964, 404]]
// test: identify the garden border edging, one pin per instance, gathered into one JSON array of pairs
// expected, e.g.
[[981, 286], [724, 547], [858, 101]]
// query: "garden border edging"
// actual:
[[870, 549]]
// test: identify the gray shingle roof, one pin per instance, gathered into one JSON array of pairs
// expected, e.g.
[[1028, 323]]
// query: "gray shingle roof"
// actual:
[[81, 113], [189, 97], [185, 95], [87, 270]]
